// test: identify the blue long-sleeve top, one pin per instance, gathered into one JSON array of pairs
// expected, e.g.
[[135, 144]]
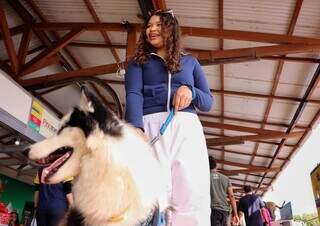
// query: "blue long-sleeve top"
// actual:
[[147, 87]]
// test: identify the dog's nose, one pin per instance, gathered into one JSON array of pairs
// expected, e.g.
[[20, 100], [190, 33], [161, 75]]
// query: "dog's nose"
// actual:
[[26, 152]]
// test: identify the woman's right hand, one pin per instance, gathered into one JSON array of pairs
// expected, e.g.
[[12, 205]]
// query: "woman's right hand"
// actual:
[[143, 135]]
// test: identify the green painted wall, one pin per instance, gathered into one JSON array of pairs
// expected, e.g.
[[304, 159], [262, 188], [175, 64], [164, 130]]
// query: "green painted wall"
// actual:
[[16, 192]]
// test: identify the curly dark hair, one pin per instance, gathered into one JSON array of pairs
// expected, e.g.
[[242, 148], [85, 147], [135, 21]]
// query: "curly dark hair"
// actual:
[[171, 35]]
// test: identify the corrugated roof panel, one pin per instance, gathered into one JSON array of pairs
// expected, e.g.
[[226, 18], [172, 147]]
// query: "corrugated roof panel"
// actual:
[[233, 83], [259, 161], [118, 37], [285, 152], [309, 20], [245, 108], [316, 94], [282, 111], [90, 57], [295, 79], [90, 37], [236, 44], [117, 11], [244, 159], [200, 13], [122, 54], [259, 16], [13, 19], [59, 98], [248, 76], [308, 114], [277, 163], [64, 10], [200, 43]]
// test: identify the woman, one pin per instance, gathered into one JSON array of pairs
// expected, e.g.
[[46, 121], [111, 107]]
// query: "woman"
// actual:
[[14, 219], [161, 78]]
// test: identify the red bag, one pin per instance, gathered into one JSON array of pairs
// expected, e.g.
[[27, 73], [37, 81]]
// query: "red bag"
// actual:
[[4, 218]]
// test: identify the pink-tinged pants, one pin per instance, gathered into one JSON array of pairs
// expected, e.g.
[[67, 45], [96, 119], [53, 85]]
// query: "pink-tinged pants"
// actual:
[[183, 153]]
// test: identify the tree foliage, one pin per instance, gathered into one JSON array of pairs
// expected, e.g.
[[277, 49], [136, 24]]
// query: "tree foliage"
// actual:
[[307, 219]]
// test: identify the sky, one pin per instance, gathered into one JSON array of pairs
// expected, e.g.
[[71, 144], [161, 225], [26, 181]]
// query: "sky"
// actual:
[[294, 183]]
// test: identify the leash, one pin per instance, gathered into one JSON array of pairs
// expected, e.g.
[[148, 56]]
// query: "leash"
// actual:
[[163, 127]]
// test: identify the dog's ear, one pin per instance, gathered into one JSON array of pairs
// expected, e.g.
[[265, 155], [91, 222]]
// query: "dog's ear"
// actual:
[[86, 100]]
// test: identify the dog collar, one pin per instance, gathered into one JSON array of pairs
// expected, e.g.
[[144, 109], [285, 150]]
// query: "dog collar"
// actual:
[[118, 218]]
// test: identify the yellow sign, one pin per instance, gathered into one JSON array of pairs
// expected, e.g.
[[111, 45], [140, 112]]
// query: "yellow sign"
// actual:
[[42, 121], [315, 180]]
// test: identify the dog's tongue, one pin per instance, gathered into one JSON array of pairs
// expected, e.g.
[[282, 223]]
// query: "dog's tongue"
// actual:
[[53, 167]]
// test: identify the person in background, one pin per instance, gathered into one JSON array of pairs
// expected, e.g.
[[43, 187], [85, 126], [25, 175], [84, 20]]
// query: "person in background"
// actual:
[[51, 201], [221, 188], [14, 219], [251, 206], [159, 79]]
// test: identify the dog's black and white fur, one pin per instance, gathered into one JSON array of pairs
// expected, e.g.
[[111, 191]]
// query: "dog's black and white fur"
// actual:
[[118, 179]]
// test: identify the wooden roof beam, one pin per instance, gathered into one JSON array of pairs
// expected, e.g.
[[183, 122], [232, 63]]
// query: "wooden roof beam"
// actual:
[[241, 165], [241, 139], [204, 62], [49, 52], [131, 43], [159, 4], [85, 72], [190, 31], [24, 44], [253, 53], [241, 153], [16, 30], [201, 114], [245, 129], [272, 96], [245, 171], [8, 42]]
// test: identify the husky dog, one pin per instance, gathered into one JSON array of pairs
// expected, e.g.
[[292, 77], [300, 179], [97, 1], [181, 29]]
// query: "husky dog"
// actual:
[[118, 179]]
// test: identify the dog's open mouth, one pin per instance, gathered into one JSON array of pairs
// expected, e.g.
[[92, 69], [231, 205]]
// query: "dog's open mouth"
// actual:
[[54, 161]]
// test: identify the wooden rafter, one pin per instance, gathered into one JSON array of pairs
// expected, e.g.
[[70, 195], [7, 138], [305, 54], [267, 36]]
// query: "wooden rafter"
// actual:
[[259, 141], [242, 139], [244, 129], [190, 31], [246, 171], [242, 153], [85, 72], [159, 4], [206, 57], [49, 52], [249, 181], [97, 45], [103, 32], [24, 44], [241, 165], [263, 96], [131, 43], [8, 42], [248, 120], [255, 53], [16, 30]]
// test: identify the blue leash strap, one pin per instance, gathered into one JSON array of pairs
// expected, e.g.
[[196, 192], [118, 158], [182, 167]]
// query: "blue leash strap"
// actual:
[[163, 127]]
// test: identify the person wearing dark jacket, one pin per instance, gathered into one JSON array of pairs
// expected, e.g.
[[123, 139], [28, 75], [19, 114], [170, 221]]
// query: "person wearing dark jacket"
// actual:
[[251, 205], [51, 201]]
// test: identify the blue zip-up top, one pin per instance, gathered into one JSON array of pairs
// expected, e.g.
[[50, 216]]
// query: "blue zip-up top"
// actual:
[[147, 87]]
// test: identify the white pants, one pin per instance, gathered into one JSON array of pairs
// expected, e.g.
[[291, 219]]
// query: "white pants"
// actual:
[[183, 153]]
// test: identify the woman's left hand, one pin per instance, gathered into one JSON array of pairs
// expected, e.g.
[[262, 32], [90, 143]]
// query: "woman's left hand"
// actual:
[[182, 98]]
